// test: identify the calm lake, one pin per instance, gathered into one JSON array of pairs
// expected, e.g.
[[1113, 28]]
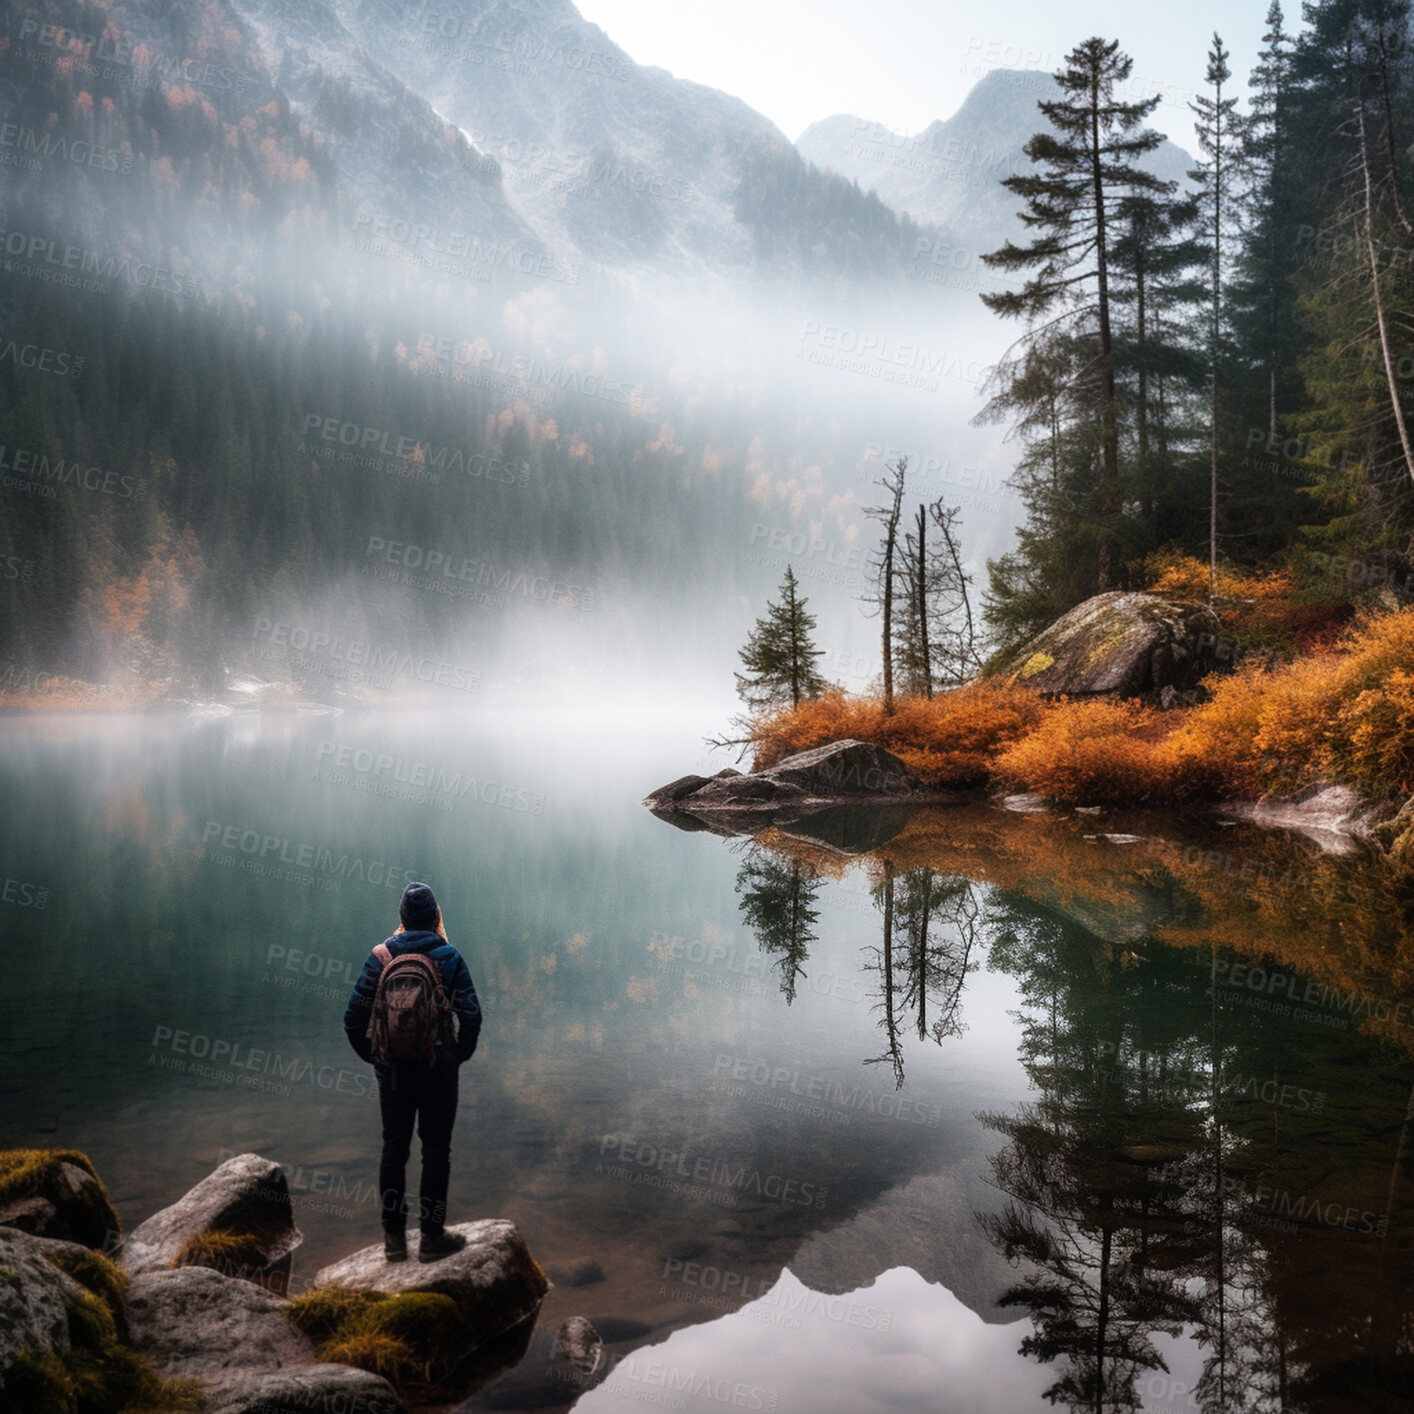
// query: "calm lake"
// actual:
[[1011, 1105]]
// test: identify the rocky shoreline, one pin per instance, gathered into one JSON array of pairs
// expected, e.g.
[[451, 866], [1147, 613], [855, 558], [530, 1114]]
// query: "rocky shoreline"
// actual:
[[191, 1310], [851, 794]]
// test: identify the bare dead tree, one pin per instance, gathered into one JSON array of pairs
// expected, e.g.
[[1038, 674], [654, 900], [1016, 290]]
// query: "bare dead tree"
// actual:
[[885, 564]]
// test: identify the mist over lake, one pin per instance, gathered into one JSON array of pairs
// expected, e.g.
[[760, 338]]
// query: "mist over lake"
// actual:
[[705, 711]]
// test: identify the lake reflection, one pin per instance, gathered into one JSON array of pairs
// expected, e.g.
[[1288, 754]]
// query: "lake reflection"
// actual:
[[1010, 1084]]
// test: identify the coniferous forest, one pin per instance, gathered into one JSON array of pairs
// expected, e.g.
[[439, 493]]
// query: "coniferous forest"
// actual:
[[1225, 369]]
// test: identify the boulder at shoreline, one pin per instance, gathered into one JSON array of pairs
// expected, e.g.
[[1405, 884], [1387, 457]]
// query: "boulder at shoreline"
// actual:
[[838, 771], [493, 1280], [192, 1329], [1128, 644], [238, 1220]]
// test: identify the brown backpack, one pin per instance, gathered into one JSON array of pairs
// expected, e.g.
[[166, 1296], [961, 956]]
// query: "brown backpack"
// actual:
[[412, 1013]]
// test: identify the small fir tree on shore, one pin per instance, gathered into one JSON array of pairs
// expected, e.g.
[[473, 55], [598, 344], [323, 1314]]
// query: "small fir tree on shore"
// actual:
[[780, 656]]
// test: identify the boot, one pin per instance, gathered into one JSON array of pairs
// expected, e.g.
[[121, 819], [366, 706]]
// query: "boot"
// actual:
[[395, 1246], [435, 1245]]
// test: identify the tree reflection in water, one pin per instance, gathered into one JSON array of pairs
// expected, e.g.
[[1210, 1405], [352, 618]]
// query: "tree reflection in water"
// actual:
[[1195, 1162]]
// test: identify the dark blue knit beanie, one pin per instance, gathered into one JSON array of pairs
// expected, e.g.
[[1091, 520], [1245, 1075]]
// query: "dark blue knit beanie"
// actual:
[[418, 907]]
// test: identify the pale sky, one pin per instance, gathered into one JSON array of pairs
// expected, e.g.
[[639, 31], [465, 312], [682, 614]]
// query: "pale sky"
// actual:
[[907, 62]]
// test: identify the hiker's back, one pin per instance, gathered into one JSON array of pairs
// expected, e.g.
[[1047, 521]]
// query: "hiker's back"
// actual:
[[412, 1009]]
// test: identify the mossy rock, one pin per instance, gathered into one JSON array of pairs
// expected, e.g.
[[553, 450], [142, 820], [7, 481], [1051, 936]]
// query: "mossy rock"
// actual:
[[414, 1337], [329, 1311], [1127, 644], [237, 1220], [494, 1280], [66, 1181], [99, 1275], [67, 1306], [382, 1355]]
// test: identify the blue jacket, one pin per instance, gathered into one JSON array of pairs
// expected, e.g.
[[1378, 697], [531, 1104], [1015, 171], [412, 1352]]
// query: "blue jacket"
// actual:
[[455, 977]]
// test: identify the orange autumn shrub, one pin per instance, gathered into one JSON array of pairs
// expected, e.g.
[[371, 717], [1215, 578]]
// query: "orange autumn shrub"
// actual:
[[950, 740], [1262, 609], [1215, 747], [1180, 576], [1345, 715], [1375, 732], [1091, 752]]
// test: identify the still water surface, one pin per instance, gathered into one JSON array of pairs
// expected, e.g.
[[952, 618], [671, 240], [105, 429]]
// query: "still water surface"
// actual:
[[997, 1111]]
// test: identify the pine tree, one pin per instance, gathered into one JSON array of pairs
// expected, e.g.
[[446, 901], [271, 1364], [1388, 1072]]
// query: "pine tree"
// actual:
[[1155, 259], [1359, 420], [780, 657], [1263, 296], [1052, 567], [1087, 163], [1218, 128]]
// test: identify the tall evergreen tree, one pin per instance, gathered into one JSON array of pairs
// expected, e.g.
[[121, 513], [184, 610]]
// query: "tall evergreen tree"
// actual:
[[1359, 418], [1218, 129], [1156, 259], [1263, 297], [1086, 164]]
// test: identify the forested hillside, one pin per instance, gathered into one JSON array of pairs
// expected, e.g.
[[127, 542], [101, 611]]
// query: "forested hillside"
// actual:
[[264, 307]]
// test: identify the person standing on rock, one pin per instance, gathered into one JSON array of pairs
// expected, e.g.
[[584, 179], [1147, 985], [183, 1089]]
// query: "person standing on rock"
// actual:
[[413, 1013]]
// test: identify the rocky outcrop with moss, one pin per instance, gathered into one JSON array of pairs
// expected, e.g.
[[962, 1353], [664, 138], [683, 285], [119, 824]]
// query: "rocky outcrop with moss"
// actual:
[[422, 1322], [55, 1193], [65, 1335], [833, 775], [179, 1324], [238, 1340], [238, 1220], [1128, 644]]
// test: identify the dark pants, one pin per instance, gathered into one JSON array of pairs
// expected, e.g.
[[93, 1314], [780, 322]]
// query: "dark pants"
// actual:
[[414, 1092]]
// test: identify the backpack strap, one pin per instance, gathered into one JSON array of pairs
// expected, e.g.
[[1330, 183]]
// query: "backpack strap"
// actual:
[[383, 953]]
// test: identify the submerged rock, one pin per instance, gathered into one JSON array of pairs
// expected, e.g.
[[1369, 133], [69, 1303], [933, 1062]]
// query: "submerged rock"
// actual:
[[1332, 817], [238, 1219], [584, 1271], [1129, 644], [494, 1280], [578, 1343]]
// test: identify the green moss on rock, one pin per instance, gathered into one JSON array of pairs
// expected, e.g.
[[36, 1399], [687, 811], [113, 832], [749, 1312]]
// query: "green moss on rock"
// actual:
[[322, 1314], [98, 1274], [38, 1382], [39, 1173]]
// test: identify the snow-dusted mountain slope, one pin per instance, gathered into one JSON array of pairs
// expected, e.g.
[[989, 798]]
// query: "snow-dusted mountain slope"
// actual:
[[950, 174]]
